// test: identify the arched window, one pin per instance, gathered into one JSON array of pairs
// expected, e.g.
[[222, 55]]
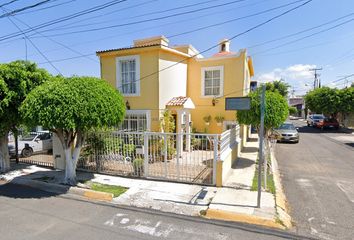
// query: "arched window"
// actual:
[[223, 47]]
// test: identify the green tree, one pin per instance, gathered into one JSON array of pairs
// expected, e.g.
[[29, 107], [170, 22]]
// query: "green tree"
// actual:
[[17, 79], [167, 122], [323, 100], [276, 113], [279, 86], [72, 106], [345, 104], [292, 110]]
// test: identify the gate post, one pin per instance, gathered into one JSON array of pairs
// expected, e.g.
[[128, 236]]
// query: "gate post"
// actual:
[[216, 143], [146, 155]]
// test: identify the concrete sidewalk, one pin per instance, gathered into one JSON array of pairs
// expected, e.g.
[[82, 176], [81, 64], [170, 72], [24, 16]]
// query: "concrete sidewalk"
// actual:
[[233, 202]]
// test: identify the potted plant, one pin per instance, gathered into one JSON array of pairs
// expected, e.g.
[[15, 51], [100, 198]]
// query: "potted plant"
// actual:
[[138, 165], [219, 119], [207, 119]]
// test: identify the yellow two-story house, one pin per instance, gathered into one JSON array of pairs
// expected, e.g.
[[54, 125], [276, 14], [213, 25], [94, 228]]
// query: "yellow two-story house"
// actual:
[[153, 76]]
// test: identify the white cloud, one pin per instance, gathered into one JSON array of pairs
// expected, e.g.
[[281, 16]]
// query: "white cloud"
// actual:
[[296, 75]]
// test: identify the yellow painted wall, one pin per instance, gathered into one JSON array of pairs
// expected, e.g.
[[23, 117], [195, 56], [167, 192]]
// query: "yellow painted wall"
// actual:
[[223, 168], [234, 75], [149, 96]]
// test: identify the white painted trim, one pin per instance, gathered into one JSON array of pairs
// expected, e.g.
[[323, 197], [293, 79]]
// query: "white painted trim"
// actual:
[[144, 111], [221, 68], [137, 74], [221, 57]]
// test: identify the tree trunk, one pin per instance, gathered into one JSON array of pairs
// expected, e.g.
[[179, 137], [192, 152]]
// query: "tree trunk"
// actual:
[[70, 165], [70, 171], [4, 154]]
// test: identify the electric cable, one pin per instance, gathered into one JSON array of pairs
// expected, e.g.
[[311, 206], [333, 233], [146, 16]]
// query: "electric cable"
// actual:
[[24, 8], [237, 35], [62, 19], [35, 46]]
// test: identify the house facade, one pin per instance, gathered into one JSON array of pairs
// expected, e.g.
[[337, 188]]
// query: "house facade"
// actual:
[[153, 76]]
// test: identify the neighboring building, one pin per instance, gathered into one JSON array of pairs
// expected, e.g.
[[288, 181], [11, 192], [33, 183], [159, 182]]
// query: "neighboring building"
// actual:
[[153, 76], [299, 103]]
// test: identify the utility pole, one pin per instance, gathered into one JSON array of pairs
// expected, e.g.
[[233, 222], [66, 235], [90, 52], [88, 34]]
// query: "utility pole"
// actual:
[[261, 150], [345, 84], [315, 83]]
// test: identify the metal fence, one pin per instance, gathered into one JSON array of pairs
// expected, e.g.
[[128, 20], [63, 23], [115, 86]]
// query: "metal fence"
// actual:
[[176, 157], [33, 148]]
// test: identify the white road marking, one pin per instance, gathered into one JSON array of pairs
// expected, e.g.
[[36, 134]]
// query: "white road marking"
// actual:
[[304, 183], [347, 188], [158, 228]]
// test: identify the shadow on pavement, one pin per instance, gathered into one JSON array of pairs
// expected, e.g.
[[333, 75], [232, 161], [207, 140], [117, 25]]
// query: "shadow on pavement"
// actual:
[[29, 181]]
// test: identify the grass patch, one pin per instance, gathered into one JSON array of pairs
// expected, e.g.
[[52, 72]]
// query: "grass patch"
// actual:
[[270, 182], [115, 190], [44, 179], [203, 212]]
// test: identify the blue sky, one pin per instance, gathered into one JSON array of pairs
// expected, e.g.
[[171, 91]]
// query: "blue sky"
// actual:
[[60, 36]]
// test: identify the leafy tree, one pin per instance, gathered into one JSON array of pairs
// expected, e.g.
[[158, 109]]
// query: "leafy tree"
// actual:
[[292, 110], [17, 79], [345, 104], [279, 86], [323, 100], [167, 122], [73, 106], [276, 112]]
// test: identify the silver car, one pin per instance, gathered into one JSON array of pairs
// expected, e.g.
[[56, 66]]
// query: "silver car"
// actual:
[[286, 132], [313, 119]]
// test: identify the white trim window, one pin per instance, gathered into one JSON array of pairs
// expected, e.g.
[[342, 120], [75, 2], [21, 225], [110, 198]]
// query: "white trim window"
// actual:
[[128, 75], [213, 81], [136, 121]]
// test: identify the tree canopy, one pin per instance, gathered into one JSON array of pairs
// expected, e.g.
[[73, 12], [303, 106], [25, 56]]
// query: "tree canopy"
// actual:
[[279, 86], [17, 79], [331, 101], [276, 111], [71, 107], [292, 110]]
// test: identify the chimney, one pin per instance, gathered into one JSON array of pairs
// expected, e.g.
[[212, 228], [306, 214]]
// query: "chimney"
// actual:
[[224, 45]]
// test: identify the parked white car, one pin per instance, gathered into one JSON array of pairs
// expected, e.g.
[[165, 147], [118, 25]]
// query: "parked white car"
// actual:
[[313, 119], [34, 142]]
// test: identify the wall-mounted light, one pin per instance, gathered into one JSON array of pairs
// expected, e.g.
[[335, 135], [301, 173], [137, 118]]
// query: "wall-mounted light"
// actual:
[[214, 101], [190, 123], [127, 105]]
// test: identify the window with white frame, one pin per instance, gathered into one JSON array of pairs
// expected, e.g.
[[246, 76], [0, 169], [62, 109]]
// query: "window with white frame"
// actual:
[[128, 75], [212, 81], [136, 121]]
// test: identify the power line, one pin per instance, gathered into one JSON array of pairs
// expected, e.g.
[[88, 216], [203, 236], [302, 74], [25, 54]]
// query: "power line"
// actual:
[[35, 46], [299, 39], [240, 34], [23, 9], [86, 56], [41, 9], [69, 17], [4, 4], [147, 20]]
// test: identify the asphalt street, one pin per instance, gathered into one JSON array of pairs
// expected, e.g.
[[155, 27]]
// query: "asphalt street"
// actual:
[[319, 182], [27, 213]]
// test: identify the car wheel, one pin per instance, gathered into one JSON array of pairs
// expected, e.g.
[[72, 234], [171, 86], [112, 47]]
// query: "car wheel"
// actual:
[[308, 124], [313, 125], [322, 128], [26, 153]]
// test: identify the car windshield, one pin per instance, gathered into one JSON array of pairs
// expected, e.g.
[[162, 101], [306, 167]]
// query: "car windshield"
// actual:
[[318, 117], [285, 126], [28, 137], [330, 120]]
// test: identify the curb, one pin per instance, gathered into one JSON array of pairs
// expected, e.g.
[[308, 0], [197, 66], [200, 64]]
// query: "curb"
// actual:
[[280, 198], [62, 189], [239, 217]]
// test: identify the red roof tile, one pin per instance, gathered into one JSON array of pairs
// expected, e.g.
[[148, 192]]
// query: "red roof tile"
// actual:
[[119, 49], [221, 54], [177, 101]]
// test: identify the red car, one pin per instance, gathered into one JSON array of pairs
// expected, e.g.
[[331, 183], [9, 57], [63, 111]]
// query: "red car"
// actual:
[[328, 123]]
